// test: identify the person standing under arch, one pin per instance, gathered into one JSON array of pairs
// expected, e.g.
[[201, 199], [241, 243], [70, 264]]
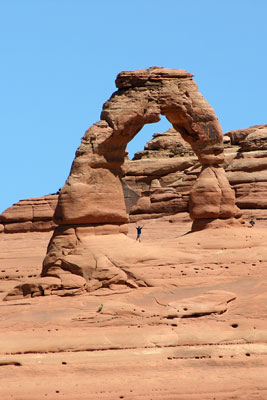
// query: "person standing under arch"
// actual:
[[139, 232]]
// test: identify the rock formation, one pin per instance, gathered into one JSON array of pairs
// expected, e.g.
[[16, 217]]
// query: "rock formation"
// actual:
[[93, 192], [246, 167], [91, 204], [163, 182], [92, 200], [30, 215], [199, 299]]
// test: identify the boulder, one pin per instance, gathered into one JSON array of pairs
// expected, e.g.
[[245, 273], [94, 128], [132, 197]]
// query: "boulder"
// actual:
[[211, 196], [250, 139], [34, 287]]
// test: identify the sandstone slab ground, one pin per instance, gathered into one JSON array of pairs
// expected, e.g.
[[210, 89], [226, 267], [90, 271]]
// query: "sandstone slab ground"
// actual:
[[199, 332]]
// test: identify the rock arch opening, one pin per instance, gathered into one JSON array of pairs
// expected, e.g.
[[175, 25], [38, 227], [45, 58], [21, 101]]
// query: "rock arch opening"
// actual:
[[138, 143], [93, 192]]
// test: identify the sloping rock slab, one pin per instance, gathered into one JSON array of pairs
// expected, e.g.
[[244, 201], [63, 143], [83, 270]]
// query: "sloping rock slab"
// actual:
[[215, 301]]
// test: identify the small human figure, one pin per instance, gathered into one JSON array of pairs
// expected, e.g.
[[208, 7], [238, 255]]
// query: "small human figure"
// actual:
[[252, 222], [139, 231]]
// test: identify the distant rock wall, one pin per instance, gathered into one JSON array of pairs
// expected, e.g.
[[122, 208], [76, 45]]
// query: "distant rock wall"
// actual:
[[158, 180], [30, 215], [162, 176], [163, 181], [246, 168]]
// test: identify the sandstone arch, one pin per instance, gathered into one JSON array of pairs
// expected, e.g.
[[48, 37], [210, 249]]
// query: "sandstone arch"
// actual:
[[92, 202], [93, 194]]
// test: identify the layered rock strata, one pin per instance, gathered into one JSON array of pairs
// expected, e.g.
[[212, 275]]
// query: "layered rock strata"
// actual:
[[30, 215], [246, 166], [164, 184]]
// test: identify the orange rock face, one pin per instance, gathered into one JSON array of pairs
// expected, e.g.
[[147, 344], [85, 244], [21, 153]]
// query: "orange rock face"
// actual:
[[212, 196], [30, 215]]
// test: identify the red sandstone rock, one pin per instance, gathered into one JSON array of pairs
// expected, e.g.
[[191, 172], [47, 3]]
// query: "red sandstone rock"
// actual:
[[149, 76], [34, 287], [211, 196], [39, 208], [157, 167], [34, 214], [163, 201], [94, 184], [246, 171], [49, 335], [253, 138], [165, 145], [252, 195], [29, 226], [18, 227], [93, 195]]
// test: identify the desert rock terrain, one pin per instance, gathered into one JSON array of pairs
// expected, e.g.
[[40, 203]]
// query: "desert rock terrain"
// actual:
[[199, 333], [89, 312]]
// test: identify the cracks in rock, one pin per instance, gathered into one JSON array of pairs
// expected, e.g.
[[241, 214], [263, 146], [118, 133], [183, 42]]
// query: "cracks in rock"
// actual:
[[7, 363], [153, 345], [214, 170], [78, 240], [161, 304]]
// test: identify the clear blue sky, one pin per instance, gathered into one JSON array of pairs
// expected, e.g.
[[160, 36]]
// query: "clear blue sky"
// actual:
[[60, 58]]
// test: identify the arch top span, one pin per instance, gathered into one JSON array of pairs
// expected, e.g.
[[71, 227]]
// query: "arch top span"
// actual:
[[144, 95], [93, 191], [149, 76]]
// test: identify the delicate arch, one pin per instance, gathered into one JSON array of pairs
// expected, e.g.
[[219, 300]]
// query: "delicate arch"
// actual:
[[93, 192]]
